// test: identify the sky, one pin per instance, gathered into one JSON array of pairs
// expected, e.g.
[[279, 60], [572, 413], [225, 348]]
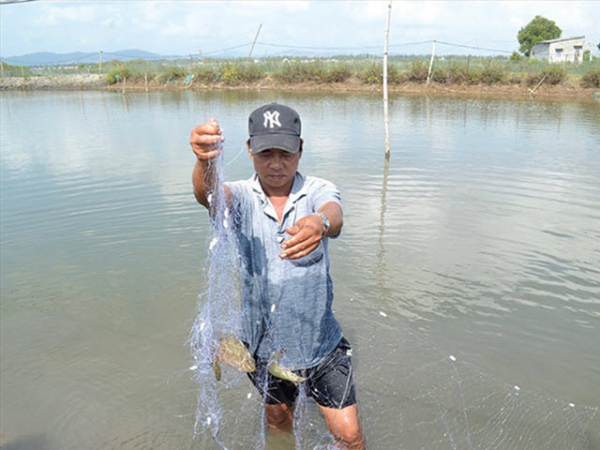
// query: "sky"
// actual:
[[318, 27]]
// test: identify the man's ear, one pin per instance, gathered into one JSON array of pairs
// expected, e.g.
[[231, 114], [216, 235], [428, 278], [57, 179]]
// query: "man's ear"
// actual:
[[249, 149]]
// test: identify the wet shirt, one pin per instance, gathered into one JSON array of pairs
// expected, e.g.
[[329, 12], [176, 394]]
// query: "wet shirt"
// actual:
[[286, 304]]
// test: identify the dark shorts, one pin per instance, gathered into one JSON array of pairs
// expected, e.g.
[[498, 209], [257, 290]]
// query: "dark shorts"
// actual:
[[330, 383]]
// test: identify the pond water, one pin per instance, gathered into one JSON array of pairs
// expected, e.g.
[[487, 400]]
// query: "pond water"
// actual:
[[467, 276]]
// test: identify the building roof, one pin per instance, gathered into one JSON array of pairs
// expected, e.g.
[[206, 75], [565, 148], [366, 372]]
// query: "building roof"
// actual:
[[553, 41]]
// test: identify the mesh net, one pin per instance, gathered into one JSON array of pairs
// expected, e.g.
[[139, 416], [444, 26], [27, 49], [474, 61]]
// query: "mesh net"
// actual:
[[412, 393], [442, 401], [218, 313]]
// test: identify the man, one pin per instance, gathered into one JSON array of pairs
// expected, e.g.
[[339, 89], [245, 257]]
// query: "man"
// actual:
[[283, 221]]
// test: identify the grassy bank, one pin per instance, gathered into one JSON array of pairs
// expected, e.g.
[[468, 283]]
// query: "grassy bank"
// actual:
[[452, 74]]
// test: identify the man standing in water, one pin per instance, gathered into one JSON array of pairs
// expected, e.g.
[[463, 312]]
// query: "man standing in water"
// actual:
[[283, 221]]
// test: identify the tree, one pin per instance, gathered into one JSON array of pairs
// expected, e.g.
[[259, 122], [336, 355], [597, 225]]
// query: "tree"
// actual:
[[515, 57], [539, 29]]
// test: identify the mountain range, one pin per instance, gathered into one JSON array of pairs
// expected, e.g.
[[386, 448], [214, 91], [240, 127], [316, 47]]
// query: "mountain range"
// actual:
[[65, 59]]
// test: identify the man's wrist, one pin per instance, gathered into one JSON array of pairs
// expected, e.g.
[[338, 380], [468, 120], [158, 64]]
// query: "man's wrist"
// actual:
[[326, 224], [203, 158]]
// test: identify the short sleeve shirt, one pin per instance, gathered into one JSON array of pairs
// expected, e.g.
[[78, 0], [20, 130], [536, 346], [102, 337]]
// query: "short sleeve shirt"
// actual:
[[286, 304]]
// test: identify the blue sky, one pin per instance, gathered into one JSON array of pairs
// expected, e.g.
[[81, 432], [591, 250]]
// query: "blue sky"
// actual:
[[220, 28]]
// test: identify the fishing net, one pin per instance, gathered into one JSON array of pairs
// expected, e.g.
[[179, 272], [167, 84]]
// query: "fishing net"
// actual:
[[442, 401], [218, 313], [226, 400], [412, 392]]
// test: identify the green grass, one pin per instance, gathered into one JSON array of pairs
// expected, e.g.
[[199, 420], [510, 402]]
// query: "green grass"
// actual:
[[368, 70]]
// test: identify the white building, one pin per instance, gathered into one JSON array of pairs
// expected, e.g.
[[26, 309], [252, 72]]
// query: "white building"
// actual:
[[559, 50]]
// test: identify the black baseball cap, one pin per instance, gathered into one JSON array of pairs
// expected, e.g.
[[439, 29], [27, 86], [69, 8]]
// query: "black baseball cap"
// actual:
[[274, 126]]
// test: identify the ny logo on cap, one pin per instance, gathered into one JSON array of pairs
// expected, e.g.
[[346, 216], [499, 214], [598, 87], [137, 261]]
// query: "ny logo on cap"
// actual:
[[271, 119]]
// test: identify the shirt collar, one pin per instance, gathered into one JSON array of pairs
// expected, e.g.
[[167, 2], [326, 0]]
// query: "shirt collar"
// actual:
[[298, 188], [297, 192]]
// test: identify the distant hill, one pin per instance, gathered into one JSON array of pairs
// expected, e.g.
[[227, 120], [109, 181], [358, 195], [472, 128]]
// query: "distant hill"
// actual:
[[62, 59]]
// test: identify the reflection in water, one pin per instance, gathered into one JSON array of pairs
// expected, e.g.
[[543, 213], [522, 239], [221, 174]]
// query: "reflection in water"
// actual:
[[381, 254], [478, 242]]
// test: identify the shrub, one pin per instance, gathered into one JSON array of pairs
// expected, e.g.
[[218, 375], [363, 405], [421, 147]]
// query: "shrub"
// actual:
[[454, 73], [298, 72], [251, 73], [373, 74], [395, 76], [491, 73], [231, 74], [205, 74], [418, 71], [591, 79], [475, 76], [118, 75], [516, 57], [283, 74], [173, 73], [440, 76], [513, 78], [337, 74], [289, 72], [533, 79], [552, 75], [9, 70], [458, 74], [234, 74]]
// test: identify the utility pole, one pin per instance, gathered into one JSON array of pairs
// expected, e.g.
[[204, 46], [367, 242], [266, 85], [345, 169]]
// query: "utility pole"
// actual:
[[100, 63], [386, 119], [254, 42]]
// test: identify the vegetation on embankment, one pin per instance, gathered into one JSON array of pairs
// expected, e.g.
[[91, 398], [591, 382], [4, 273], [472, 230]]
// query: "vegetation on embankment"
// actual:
[[452, 74]]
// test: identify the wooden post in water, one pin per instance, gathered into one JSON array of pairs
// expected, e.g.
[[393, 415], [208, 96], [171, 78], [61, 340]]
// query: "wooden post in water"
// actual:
[[386, 119], [146, 77], [431, 63]]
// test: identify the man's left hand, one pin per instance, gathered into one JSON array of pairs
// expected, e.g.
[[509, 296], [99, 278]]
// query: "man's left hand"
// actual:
[[306, 234]]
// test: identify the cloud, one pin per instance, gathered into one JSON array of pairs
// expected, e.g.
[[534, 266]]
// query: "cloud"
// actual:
[[171, 29], [180, 27], [61, 15]]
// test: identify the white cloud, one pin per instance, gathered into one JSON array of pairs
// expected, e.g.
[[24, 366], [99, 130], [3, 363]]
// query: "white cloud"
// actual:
[[111, 22], [59, 15], [179, 27]]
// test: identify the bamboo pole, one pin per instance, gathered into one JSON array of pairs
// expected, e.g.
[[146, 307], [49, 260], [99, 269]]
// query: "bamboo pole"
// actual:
[[431, 63], [254, 42], [386, 118]]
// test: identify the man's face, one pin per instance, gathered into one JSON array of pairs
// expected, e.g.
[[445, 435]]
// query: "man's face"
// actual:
[[276, 169]]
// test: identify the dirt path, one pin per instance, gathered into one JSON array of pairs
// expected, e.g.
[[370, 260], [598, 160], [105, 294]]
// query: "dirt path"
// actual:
[[564, 92]]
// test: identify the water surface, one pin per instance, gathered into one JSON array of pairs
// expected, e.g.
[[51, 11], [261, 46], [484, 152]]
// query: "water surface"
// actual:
[[467, 276]]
